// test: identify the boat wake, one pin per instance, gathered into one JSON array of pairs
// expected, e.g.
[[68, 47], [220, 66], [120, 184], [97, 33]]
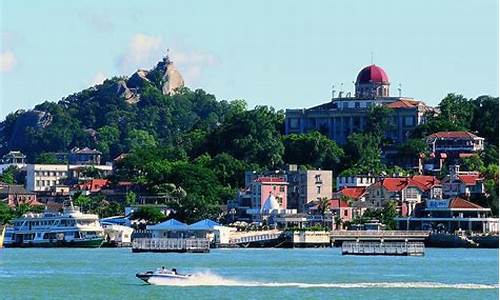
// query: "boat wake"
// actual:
[[209, 279]]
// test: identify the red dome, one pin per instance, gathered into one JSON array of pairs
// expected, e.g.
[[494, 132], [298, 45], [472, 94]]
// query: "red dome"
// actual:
[[372, 74]]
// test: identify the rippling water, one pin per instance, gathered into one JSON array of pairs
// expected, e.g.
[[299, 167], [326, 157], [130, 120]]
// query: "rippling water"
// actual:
[[249, 274]]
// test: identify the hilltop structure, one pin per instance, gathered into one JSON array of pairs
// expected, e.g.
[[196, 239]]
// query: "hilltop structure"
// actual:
[[344, 115], [164, 74]]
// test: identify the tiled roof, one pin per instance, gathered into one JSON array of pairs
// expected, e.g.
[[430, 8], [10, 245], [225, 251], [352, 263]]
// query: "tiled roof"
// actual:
[[427, 181], [93, 185], [397, 184], [462, 203], [353, 192], [270, 179], [454, 135], [14, 189], [469, 179], [337, 203], [403, 103]]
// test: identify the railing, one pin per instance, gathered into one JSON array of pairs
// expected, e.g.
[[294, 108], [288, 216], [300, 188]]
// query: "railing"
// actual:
[[255, 237], [379, 233], [390, 248], [171, 244]]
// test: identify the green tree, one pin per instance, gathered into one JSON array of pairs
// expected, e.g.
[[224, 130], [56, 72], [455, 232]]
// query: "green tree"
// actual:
[[150, 214], [130, 198], [6, 213], [377, 121], [8, 175], [82, 201], [363, 155], [138, 139], [312, 149], [47, 158]]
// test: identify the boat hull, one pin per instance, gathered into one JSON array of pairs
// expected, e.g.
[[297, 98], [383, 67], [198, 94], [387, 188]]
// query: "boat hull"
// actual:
[[148, 276], [92, 243]]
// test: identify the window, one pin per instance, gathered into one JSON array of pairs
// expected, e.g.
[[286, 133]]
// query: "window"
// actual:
[[318, 189], [345, 213], [356, 104], [282, 189], [409, 121]]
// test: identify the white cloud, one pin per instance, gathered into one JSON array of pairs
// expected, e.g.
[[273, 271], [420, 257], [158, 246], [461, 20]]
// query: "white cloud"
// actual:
[[98, 78], [144, 51], [8, 61], [192, 63]]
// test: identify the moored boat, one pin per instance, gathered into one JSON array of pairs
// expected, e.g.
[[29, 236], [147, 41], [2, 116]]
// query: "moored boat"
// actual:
[[68, 229]]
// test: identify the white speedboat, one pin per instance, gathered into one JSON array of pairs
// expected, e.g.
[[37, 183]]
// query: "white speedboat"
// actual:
[[161, 273]]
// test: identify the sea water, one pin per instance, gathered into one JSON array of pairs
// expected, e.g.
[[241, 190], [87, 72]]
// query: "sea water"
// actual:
[[248, 274]]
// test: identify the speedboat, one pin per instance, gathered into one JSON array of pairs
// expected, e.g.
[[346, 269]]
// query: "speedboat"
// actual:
[[161, 273]]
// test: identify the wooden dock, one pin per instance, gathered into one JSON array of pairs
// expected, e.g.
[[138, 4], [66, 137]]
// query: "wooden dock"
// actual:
[[383, 248], [192, 245]]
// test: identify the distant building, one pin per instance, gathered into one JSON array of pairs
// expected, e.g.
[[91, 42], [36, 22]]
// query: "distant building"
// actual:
[[305, 186], [465, 184], [346, 114], [15, 195], [451, 215], [14, 157], [406, 192], [40, 177], [84, 156], [455, 143], [355, 181], [92, 186]]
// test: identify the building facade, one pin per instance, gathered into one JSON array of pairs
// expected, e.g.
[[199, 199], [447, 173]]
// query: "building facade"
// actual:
[[343, 116], [308, 185], [455, 143], [42, 178]]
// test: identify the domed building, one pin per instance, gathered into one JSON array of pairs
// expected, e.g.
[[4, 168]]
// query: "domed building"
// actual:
[[346, 114]]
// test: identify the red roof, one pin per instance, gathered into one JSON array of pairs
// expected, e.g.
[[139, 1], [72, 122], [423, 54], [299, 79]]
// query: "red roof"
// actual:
[[337, 203], [372, 74], [93, 185], [462, 203], [469, 179], [454, 135], [426, 181], [402, 103], [353, 192], [270, 179], [399, 183]]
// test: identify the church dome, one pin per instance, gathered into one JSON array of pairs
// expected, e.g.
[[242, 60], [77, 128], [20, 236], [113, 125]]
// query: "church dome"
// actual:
[[270, 204], [372, 74]]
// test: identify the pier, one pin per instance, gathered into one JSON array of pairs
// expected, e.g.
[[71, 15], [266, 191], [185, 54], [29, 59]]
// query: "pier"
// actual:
[[256, 238], [383, 248], [192, 245], [340, 236]]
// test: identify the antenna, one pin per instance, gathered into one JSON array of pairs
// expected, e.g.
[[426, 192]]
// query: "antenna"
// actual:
[[333, 91], [341, 90], [399, 89]]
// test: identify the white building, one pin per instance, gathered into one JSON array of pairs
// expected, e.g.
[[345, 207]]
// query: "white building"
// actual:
[[41, 177], [355, 181]]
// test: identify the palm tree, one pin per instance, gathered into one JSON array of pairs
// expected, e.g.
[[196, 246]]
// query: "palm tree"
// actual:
[[323, 208]]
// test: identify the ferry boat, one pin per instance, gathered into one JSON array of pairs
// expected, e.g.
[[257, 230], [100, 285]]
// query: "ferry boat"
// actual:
[[68, 229]]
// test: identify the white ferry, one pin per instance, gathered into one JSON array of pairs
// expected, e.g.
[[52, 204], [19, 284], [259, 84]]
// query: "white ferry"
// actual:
[[68, 229]]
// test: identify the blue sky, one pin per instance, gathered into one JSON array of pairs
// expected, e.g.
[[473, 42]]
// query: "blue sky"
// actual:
[[286, 54]]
